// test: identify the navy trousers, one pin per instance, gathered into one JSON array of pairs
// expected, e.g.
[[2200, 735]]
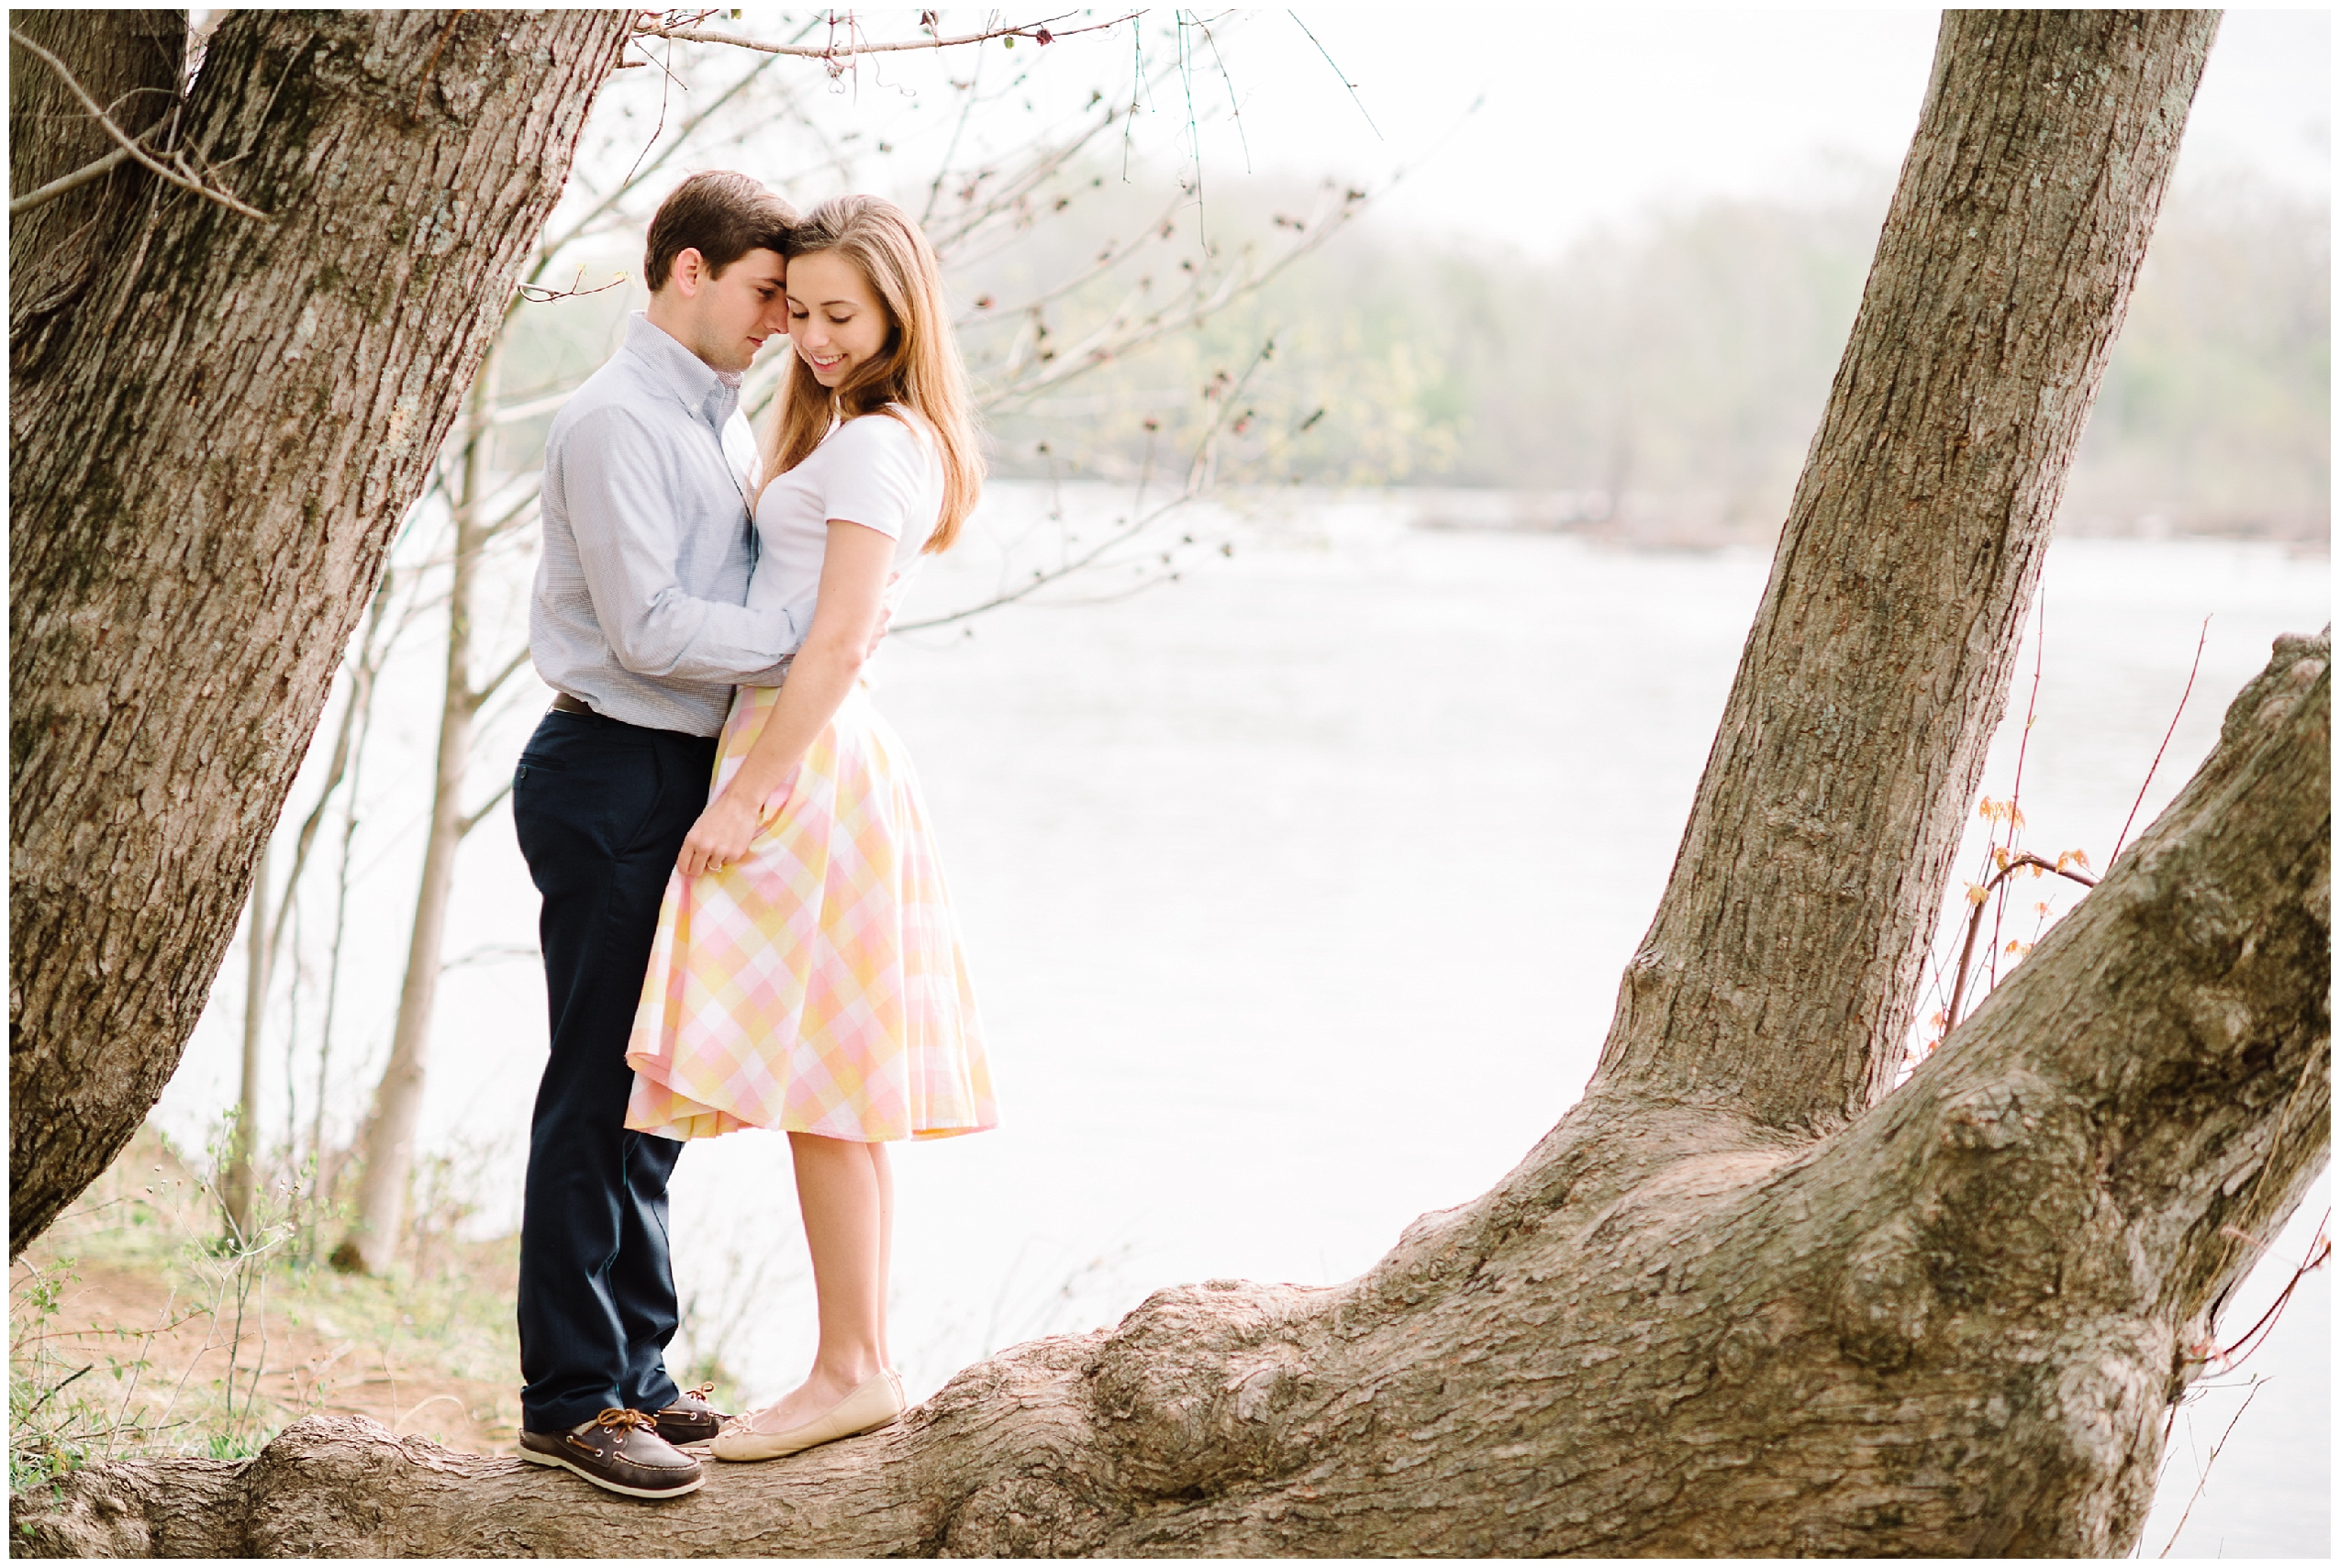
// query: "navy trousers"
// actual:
[[601, 808]]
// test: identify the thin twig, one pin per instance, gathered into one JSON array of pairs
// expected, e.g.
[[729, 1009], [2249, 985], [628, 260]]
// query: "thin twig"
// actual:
[[1233, 106], [434, 1400], [555, 244], [536, 293], [2319, 1254], [1194, 130], [1101, 347], [1196, 483], [487, 688], [1974, 924], [1040, 32], [2199, 645], [2023, 751], [659, 129], [1341, 73], [128, 145], [2204, 1479], [54, 1390], [431, 60]]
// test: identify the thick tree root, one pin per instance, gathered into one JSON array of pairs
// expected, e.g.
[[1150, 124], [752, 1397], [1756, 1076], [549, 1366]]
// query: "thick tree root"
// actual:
[[1956, 1328]]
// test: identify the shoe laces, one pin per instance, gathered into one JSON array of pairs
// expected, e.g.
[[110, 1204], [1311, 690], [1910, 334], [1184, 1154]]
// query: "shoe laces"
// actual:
[[703, 1391], [613, 1420]]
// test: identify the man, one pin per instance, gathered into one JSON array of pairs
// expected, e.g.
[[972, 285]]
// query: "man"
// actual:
[[638, 623]]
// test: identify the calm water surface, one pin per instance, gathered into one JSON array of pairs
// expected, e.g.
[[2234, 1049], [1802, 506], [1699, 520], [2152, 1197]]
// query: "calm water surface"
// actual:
[[1297, 892]]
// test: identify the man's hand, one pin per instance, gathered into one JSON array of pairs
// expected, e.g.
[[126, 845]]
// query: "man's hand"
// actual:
[[721, 836]]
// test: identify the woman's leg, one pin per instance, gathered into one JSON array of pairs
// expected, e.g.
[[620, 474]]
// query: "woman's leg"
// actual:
[[838, 1191], [884, 1168]]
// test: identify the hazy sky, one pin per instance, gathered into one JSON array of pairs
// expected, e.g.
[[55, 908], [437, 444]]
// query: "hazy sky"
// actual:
[[1593, 113], [1589, 113]]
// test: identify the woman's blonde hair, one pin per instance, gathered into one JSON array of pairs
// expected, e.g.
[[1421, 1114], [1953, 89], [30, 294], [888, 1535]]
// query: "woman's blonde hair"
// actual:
[[920, 367]]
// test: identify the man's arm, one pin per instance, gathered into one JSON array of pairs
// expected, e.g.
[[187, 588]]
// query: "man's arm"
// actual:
[[622, 517]]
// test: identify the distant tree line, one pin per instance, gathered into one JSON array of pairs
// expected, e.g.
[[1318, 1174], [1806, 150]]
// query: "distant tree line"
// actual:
[[1675, 364]]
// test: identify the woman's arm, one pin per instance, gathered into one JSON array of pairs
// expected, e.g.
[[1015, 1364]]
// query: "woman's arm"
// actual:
[[855, 570]]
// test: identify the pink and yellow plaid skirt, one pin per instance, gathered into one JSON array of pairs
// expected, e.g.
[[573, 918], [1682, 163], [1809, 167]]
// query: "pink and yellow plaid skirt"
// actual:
[[817, 984]]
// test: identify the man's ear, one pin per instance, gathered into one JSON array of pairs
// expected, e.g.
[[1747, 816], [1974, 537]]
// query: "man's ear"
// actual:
[[689, 272]]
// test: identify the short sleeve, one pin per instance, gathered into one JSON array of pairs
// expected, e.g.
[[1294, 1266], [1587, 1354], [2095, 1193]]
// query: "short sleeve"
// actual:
[[877, 477]]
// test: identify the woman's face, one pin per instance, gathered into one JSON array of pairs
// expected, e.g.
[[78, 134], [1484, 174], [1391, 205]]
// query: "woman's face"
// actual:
[[835, 318]]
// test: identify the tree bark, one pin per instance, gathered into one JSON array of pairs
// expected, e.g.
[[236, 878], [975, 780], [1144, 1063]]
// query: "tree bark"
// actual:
[[1739, 1301], [211, 443]]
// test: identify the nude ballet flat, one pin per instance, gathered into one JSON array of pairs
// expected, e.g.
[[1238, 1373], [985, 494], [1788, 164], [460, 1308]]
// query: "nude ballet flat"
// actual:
[[877, 1403]]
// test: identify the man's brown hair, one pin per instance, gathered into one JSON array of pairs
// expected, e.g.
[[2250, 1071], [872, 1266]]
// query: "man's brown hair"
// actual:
[[722, 215]]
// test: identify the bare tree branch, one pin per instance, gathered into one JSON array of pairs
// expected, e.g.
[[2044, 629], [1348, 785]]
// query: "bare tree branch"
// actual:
[[554, 245], [74, 180], [463, 828], [487, 688], [1039, 32], [1201, 472], [1102, 346], [181, 177], [536, 293]]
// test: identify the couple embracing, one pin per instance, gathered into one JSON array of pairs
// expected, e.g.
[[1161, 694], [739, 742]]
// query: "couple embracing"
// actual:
[[745, 923]]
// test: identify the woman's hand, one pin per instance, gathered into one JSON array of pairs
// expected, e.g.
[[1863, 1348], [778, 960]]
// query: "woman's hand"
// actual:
[[721, 836], [844, 625]]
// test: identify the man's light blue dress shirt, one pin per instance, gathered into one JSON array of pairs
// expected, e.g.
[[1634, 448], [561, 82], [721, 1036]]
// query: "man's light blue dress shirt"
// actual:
[[640, 602]]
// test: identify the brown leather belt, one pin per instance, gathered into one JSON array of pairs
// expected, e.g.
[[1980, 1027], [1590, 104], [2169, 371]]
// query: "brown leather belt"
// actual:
[[563, 703]]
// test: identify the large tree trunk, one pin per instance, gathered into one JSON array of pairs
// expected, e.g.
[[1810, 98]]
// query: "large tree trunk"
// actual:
[[1732, 1303], [213, 436]]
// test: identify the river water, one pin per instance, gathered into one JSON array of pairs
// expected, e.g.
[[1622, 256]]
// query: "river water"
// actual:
[[1297, 891]]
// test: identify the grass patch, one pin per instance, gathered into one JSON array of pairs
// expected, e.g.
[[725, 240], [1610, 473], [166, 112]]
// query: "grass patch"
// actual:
[[136, 1327]]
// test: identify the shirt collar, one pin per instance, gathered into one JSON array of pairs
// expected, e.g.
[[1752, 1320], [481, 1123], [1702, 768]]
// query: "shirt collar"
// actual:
[[709, 393]]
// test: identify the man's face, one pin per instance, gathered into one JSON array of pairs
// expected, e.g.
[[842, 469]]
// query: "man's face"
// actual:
[[727, 318]]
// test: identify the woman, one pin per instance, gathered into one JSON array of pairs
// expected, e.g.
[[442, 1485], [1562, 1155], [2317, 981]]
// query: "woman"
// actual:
[[807, 973]]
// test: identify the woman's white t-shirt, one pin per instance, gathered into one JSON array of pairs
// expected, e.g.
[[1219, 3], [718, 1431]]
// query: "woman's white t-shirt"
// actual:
[[878, 470]]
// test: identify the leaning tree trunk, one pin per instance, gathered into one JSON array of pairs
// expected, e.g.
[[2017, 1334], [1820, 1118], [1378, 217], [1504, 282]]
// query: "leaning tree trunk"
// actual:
[[1739, 1300], [215, 425]]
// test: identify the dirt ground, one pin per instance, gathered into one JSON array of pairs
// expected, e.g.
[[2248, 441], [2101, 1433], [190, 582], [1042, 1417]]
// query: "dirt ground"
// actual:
[[303, 1367], [129, 1276]]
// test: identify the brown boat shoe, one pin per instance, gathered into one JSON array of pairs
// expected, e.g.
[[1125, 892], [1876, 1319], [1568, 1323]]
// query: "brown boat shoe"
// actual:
[[690, 1419], [620, 1451]]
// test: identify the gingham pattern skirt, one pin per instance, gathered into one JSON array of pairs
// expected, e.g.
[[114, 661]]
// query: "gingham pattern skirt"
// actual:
[[818, 984]]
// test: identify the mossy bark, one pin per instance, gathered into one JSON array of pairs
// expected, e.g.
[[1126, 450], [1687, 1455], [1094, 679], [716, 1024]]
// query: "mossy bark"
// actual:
[[212, 437]]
